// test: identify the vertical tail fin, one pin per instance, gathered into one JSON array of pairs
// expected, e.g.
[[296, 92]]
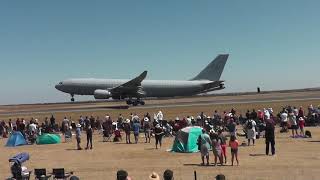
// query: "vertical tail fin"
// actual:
[[214, 70]]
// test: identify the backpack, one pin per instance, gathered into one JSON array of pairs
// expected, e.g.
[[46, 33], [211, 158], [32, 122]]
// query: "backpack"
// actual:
[[308, 134], [250, 125]]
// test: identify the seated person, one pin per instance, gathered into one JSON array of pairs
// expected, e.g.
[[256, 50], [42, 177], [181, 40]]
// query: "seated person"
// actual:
[[117, 135]]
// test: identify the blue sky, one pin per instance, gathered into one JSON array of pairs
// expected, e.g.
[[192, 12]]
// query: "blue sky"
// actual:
[[272, 44]]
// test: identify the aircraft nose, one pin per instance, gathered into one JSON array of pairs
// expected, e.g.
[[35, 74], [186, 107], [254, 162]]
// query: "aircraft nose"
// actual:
[[58, 87]]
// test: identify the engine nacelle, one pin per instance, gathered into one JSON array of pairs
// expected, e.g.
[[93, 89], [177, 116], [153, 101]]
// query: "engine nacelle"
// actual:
[[102, 94]]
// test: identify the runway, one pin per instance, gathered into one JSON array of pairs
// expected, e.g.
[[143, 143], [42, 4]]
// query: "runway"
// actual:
[[20, 110]]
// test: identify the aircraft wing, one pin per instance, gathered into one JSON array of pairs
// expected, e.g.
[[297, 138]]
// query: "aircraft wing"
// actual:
[[131, 87]]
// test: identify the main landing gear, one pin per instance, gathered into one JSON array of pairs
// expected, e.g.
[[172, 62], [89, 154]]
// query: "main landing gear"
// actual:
[[72, 98], [135, 102]]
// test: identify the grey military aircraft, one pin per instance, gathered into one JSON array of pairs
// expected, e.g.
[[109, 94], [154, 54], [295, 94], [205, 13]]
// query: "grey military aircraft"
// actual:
[[133, 91]]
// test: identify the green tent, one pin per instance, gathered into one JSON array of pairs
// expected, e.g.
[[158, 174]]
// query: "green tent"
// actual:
[[186, 140], [49, 139]]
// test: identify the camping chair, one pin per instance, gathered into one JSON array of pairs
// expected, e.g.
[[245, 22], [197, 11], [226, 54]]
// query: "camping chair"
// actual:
[[106, 136], [68, 136], [60, 174], [41, 174]]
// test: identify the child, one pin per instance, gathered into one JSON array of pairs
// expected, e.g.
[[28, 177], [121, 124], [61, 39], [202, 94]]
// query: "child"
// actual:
[[234, 143]]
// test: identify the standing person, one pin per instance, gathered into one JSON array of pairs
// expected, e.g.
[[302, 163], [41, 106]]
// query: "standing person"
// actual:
[[301, 112], [127, 130], [147, 129], [81, 122], [92, 122], [158, 131], [136, 130], [294, 124], [251, 131], [223, 145], [216, 148], [269, 135], [205, 144], [78, 136], [86, 123], [284, 121], [10, 126], [89, 136], [301, 125], [65, 125], [254, 115], [234, 144], [52, 122]]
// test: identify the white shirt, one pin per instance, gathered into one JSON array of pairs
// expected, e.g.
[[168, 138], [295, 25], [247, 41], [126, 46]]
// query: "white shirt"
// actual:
[[254, 124], [284, 117], [33, 127], [160, 116]]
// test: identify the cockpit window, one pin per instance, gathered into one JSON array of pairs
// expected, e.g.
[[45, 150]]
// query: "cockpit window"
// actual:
[[60, 83]]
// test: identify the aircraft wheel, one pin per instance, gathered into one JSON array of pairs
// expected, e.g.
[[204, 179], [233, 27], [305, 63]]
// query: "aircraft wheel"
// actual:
[[129, 102], [142, 103], [72, 99], [135, 103]]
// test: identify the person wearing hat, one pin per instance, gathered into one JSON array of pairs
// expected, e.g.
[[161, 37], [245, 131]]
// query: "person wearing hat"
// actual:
[[154, 176], [158, 131], [127, 130], [78, 136], [147, 129]]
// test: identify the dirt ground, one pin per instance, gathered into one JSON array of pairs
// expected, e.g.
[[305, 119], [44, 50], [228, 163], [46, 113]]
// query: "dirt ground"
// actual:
[[296, 159]]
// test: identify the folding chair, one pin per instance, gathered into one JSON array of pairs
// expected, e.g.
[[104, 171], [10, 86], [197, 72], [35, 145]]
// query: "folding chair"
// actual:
[[106, 136], [60, 174], [41, 174], [68, 136]]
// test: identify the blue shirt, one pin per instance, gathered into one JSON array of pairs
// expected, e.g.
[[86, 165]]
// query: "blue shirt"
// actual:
[[136, 127], [78, 132]]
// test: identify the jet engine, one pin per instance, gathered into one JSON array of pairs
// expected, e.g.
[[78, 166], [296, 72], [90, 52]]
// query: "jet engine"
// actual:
[[102, 94]]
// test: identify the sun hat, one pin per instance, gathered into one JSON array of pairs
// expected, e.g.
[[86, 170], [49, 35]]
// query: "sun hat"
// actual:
[[212, 131], [146, 119], [154, 176], [177, 119]]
